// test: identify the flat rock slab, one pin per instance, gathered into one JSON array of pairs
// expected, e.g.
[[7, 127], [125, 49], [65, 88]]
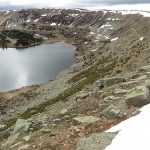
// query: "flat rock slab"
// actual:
[[86, 119], [96, 141]]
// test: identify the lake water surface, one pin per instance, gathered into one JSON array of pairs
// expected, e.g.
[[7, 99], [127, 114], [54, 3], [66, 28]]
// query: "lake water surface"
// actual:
[[33, 65]]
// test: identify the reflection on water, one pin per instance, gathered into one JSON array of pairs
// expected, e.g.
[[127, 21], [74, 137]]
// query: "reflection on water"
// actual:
[[24, 67]]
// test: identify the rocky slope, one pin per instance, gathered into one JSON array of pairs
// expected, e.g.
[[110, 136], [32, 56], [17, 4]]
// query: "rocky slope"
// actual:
[[72, 111]]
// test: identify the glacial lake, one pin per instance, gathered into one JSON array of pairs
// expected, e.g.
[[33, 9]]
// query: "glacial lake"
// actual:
[[23, 67]]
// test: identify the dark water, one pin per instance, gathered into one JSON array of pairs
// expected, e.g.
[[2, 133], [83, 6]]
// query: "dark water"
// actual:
[[24, 67]]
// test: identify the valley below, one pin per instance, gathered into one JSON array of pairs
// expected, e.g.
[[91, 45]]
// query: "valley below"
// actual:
[[105, 85]]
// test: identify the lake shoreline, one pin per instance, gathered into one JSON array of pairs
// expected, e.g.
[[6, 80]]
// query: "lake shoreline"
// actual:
[[60, 48]]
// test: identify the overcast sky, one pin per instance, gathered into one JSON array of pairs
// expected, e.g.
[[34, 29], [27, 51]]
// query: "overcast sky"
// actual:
[[13, 4]]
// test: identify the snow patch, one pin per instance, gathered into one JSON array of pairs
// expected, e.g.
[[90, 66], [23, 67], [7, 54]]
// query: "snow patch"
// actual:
[[143, 13], [134, 132], [106, 37], [141, 39], [92, 33], [114, 39], [28, 20], [53, 24], [44, 15], [105, 25], [36, 20], [113, 19], [74, 15], [7, 12], [94, 50]]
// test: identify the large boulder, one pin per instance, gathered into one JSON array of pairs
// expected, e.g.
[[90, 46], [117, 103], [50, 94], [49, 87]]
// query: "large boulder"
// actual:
[[81, 96], [140, 96], [108, 82], [111, 112], [86, 119], [21, 126], [96, 141]]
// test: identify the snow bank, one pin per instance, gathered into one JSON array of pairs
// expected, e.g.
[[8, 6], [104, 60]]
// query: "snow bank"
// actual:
[[134, 132]]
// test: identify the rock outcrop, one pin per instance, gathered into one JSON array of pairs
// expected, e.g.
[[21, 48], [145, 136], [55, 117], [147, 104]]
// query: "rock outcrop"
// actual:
[[108, 82], [139, 96], [21, 126]]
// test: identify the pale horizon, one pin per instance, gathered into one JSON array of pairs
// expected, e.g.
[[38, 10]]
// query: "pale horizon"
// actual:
[[83, 4]]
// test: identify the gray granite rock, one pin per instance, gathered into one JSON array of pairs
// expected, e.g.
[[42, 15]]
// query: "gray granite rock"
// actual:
[[96, 141], [108, 82], [139, 97], [86, 119], [111, 112]]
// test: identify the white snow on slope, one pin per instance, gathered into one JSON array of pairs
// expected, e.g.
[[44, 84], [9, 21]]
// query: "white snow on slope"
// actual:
[[106, 25], [53, 24], [28, 21], [114, 39], [7, 12], [134, 132], [143, 13], [141, 39], [44, 15], [36, 20]]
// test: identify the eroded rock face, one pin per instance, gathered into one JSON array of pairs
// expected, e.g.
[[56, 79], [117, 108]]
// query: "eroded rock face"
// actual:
[[96, 141], [108, 82]]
